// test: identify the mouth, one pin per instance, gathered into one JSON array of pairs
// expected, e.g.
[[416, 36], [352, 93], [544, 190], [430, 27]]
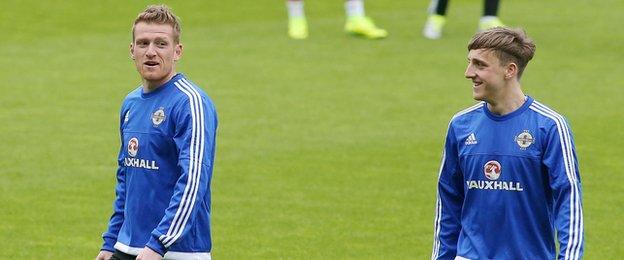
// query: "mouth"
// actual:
[[476, 84], [151, 63]]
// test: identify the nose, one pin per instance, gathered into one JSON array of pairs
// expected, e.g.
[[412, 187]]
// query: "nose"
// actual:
[[469, 73], [151, 50]]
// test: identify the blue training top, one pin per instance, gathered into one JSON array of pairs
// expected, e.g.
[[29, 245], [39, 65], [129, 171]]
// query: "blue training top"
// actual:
[[165, 166], [506, 184]]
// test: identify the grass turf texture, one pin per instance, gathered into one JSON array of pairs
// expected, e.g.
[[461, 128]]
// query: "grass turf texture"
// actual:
[[327, 147]]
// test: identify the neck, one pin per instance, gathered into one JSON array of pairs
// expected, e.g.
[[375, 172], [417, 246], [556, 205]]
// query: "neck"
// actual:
[[151, 85], [508, 102]]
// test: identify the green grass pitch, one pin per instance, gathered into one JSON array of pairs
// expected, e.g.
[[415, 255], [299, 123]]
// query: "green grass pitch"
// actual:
[[328, 148]]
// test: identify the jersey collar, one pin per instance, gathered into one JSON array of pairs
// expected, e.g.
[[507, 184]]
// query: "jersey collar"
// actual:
[[516, 112], [175, 78]]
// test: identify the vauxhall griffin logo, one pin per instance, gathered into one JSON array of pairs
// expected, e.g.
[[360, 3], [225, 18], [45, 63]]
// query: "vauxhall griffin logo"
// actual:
[[133, 149], [492, 170], [133, 146]]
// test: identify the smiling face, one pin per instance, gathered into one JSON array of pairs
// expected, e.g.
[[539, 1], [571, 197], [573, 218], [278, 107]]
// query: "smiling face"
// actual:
[[155, 53], [488, 76]]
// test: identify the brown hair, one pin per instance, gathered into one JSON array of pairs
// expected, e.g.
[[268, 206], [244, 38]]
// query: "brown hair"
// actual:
[[509, 45], [159, 14]]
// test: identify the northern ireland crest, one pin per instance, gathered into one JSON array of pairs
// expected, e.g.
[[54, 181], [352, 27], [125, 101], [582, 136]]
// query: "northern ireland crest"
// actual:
[[524, 139], [158, 116]]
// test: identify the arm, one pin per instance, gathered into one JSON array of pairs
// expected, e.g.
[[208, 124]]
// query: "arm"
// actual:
[[560, 160], [447, 223], [194, 138], [117, 219]]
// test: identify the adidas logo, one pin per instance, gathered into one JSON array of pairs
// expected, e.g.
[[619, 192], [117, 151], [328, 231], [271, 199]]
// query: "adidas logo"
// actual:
[[472, 139]]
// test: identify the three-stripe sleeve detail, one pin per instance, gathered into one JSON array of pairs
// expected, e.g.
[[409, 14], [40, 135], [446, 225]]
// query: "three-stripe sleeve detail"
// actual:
[[196, 155], [438, 215], [438, 209], [575, 229]]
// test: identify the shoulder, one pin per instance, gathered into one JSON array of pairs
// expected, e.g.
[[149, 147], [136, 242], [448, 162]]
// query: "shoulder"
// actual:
[[548, 117], [188, 90], [188, 95], [467, 114], [135, 93], [132, 97]]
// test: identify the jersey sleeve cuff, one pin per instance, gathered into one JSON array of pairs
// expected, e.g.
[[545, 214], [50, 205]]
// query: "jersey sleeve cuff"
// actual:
[[155, 245], [109, 244]]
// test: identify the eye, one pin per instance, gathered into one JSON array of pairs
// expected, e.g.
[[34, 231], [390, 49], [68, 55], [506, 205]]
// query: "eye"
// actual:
[[141, 43]]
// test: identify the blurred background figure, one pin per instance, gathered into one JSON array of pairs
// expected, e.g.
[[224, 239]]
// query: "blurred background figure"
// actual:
[[437, 17], [357, 22]]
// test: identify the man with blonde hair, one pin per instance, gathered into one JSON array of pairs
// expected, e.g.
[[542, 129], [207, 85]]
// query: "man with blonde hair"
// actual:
[[167, 127], [509, 179]]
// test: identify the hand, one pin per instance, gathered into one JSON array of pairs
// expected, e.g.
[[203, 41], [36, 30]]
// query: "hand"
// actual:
[[104, 255], [148, 254]]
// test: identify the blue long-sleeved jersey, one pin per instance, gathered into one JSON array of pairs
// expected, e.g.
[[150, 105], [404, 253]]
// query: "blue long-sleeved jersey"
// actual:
[[506, 184], [165, 166]]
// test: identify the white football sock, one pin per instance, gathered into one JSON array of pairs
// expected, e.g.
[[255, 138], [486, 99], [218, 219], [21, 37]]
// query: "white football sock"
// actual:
[[354, 8], [295, 9], [487, 18]]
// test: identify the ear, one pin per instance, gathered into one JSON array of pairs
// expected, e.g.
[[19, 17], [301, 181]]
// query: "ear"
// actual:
[[177, 52], [132, 51], [511, 70]]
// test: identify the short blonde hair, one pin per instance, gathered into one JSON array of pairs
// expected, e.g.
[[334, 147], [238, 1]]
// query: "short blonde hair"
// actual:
[[159, 14], [509, 45]]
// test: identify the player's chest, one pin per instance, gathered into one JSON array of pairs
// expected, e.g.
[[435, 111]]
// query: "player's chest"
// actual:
[[513, 139], [147, 133], [150, 118]]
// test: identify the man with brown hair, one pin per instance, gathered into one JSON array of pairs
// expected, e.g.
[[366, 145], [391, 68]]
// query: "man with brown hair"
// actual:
[[167, 128], [509, 179]]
